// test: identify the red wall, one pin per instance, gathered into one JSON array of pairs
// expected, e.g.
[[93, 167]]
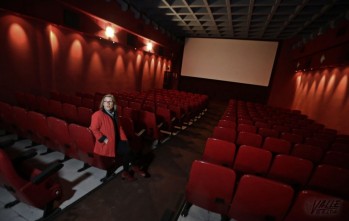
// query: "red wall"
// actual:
[[40, 56], [319, 90]]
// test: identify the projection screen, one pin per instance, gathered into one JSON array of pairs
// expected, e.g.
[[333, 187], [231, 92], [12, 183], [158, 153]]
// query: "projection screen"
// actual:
[[240, 61]]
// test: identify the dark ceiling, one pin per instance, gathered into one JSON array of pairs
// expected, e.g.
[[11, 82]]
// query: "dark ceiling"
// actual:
[[240, 19]]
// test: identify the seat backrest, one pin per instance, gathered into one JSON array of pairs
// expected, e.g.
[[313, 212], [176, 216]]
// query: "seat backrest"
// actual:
[[84, 142], [336, 158], [42, 104], [249, 139], [292, 138], [21, 121], [38, 127], [246, 127], [55, 109], [277, 145], [227, 123], [149, 120], [84, 116], [331, 180], [268, 132], [8, 174], [59, 134], [210, 186], [224, 133], [258, 198], [291, 170], [220, 152], [315, 206], [340, 147], [252, 160], [309, 152], [70, 112]]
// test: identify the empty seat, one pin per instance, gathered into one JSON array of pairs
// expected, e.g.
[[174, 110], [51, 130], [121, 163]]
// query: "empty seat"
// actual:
[[70, 113], [258, 198], [340, 147], [210, 186], [55, 109], [337, 159], [38, 127], [21, 122], [220, 152], [315, 206], [84, 116], [330, 180], [226, 123], [291, 170], [60, 137], [292, 138], [38, 188], [247, 128], [84, 142], [316, 141], [249, 139], [252, 160], [276, 145], [42, 103], [224, 133], [7, 117], [309, 152], [268, 132]]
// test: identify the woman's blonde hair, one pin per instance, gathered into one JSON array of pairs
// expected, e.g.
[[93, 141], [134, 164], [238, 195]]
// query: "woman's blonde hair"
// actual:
[[112, 98]]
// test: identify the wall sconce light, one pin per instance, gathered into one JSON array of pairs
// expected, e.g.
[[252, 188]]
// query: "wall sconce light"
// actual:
[[322, 58], [109, 32], [149, 46]]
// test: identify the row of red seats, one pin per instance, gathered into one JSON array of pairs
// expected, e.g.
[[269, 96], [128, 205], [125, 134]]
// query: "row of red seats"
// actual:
[[309, 151], [298, 172], [67, 111], [217, 189], [54, 133]]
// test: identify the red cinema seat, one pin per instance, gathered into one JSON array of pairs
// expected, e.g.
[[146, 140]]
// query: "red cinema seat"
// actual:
[[60, 137], [330, 180], [219, 152], [70, 112], [268, 132], [247, 128], [291, 170], [84, 142], [38, 128], [337, 159], [38, 188], [309, 152], [224, 133], [84, 116], [276, 145], [227, 123], [258, 198], [249, 139], [21, 121], [292, 138], [252, 160], [210, 186]]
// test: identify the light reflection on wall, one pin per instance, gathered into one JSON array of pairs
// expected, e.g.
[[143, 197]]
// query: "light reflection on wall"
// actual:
[[19, 43], [323, 93], [75, 59]]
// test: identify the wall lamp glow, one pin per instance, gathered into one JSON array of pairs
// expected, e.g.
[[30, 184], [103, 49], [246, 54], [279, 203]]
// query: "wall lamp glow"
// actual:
[[149, 46], [109, 32]]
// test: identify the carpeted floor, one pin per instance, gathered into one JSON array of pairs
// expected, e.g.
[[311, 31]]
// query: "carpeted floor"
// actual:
[[149, 199]]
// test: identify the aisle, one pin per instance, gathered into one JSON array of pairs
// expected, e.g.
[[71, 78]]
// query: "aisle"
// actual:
[[158, 197]]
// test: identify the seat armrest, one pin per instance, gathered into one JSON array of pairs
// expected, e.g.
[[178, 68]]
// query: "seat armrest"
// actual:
[[24, 156], [51, 169]]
